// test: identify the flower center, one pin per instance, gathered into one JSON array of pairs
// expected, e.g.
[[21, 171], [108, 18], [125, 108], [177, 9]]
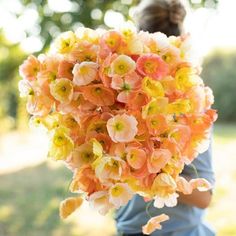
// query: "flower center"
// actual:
[[119, 126]]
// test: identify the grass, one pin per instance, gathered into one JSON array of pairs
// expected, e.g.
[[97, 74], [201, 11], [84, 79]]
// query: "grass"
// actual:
[[29, 198], [29, 201]]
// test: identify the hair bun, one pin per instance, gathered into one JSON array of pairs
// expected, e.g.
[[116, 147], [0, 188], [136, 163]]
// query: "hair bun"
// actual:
[[177, 12]]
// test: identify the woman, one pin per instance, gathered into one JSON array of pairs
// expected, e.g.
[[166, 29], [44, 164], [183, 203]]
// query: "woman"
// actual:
[[186, 219]]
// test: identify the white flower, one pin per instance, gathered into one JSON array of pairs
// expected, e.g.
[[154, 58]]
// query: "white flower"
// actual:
[[169, 200], [120, 194]]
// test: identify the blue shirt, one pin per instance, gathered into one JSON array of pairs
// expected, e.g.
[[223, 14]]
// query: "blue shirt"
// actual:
[[184, 220]]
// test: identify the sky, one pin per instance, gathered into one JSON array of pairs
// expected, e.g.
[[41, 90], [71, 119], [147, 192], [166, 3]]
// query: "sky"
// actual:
[[209, 28]]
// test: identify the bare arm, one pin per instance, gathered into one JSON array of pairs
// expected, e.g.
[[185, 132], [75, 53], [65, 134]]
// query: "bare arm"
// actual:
[[197, 199]]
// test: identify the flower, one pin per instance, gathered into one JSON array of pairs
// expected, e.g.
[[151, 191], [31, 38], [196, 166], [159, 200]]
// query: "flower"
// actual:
[[98, 95], [30, 68], [201, 184], [163, 185], [122, 65], [69, 205], [65, 69], [122, 128], [86, 153], [136, 157], [39, 105], [126, 84], [120, 194], [154, 107], [25, 88], [65, 42], [152, 87], [180, 106], [185, 78], [84, 73], [152, 65], [170, 200], [84, 179], [48, 69], [157, 124], [154, 223], [158, 160], [111, 39], [61, 145], [100, 202], [62, 90], [109, 168]]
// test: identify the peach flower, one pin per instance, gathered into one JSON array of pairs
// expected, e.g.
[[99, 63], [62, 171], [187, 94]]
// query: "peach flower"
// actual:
[[30, 68], [136, 157], [84, 179], [154, 224], [84, 73], [122, 128], [158, 160], [100, 202]]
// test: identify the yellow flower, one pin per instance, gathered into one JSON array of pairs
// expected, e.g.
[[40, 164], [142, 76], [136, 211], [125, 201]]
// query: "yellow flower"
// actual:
[[155, 106], [179, 106], [65, 42], [163, 185], [186, 78], [62, 90], [61, 145], [97, 148], [122, 65], [108, 168], [152, 87], [86, 153], [69, 205]]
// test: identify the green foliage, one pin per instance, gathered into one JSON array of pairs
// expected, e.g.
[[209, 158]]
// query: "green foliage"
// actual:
[[219, 73]]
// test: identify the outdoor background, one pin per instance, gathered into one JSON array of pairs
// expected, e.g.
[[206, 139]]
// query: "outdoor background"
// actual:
[[31, 187]]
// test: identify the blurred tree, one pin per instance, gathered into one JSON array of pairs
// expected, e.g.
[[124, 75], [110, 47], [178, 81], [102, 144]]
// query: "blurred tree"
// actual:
[[45, 20], [219, 73]]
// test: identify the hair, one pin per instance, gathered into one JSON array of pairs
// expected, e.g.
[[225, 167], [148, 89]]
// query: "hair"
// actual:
[[165, 16]]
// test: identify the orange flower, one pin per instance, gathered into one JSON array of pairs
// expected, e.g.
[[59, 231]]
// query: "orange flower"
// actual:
[[69, 205], [65, 69], [154, 223], [157, 124], [152, 65], [98, 95], [111, 39], [84, 179]]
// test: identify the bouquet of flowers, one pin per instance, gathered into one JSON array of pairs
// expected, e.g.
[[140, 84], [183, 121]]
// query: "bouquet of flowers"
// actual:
[[125, 111]]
